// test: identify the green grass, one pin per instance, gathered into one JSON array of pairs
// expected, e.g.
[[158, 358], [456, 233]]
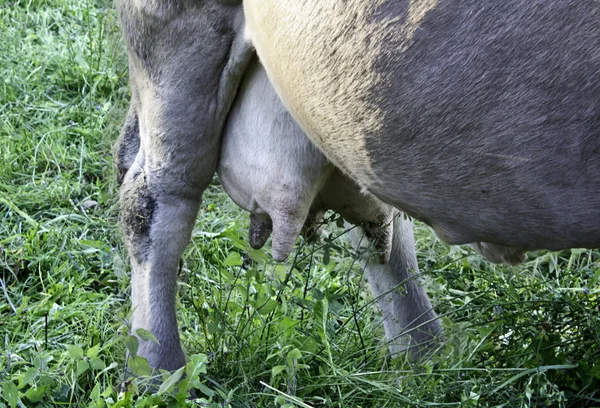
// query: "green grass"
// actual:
[[257, 333]]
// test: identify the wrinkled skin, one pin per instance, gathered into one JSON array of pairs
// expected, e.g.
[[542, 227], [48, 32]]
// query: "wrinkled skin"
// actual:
[[478, 117], [270, 168]]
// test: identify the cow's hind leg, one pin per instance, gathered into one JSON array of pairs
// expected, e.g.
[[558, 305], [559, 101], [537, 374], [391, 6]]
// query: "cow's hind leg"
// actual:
[[408, 317]]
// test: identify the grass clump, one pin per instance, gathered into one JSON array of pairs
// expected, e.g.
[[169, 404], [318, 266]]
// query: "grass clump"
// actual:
[[257, 334]]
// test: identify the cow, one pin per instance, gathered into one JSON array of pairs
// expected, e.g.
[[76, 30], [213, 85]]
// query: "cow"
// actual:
[[270, 168], [480, 118]]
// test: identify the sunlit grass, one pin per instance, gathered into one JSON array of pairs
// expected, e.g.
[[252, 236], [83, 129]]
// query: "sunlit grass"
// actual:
[[258, 334]]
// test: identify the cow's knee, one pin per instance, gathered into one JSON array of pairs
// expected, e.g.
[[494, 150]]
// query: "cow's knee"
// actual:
[[138, 206]]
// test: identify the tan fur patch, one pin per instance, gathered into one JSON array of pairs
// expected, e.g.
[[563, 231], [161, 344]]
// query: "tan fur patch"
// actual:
[[321, 56], [417, 10]]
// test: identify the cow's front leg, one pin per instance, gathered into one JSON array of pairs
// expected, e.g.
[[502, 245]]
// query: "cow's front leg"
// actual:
[[160, 196], [185, 63]]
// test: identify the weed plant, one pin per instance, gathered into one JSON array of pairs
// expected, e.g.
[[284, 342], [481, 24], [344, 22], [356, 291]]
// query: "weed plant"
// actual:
[[303, 333]]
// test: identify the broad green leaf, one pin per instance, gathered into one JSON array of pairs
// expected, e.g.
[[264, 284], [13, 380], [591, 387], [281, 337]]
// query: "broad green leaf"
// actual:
[[258, 255], [233, 259], [10, 393], [220, 392], [281, 272], [74, 351], [277, 370], [97, 364], [243, 292], [93, 351], [212, 328], [95, 394], [146, 335], [82, 367], [107, 392], [35, 394], [170, 382], [28, 377], [267, 307], [295, 354], [132, 344], [287, 323], [310, 345], [206, 391], [197, 365], [326, 256], [119, 268], [139, 365], [79, 59]]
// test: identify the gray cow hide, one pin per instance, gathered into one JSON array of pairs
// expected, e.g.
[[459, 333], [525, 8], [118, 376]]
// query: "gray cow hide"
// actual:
[[479, 117]]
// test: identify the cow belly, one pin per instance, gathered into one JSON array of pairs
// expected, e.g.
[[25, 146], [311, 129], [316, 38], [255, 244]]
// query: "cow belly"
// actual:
[[481, 118]]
